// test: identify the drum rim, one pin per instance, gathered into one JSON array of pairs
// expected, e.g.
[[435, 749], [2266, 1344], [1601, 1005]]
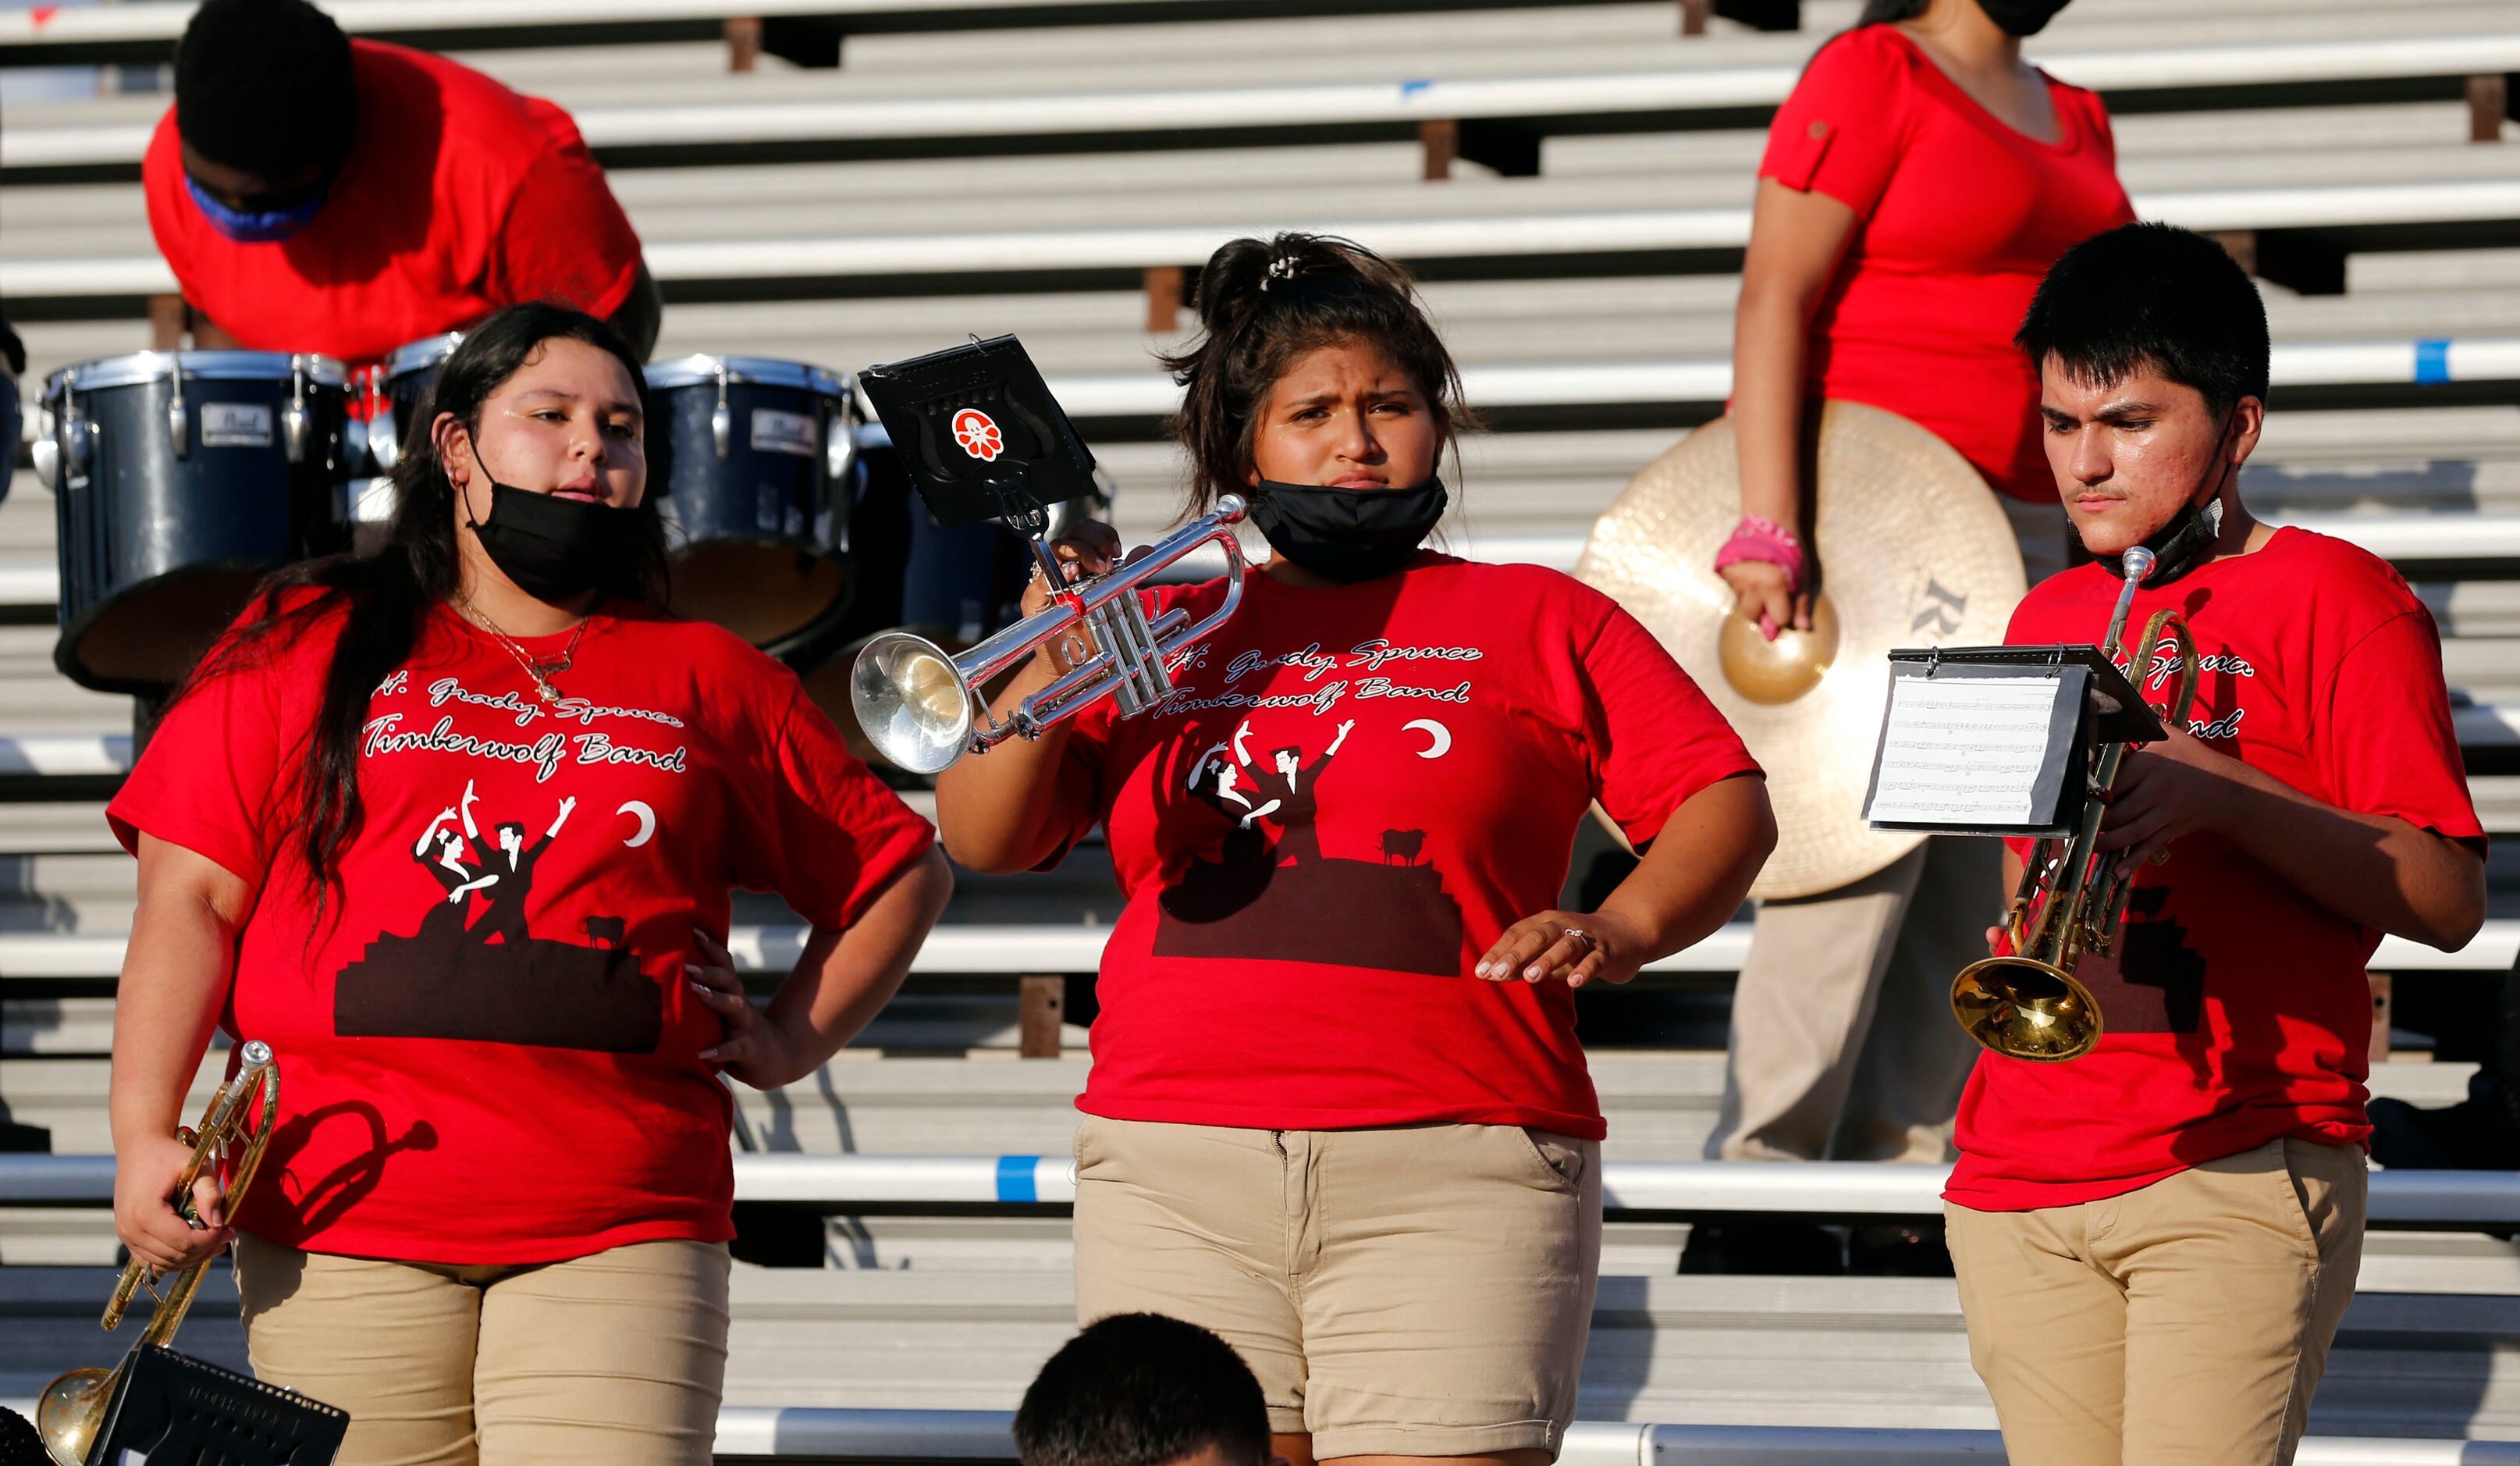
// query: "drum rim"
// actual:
[[140, 368], [420, 354], [700, 367]]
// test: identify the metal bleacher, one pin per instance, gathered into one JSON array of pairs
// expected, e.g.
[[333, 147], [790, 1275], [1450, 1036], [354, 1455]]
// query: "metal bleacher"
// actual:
[[1572, 180]]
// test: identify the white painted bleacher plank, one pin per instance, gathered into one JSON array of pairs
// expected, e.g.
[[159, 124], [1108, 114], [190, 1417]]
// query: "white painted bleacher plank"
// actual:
[[77, 26], [811, 1433], [1836, 1188], [1013, 949], [1504, 235], [1397, 101]]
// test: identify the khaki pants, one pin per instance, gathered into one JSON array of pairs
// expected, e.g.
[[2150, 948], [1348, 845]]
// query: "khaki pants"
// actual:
[[1843, 1046], [2184, 1324], [617, 1358], [1415, 1291]]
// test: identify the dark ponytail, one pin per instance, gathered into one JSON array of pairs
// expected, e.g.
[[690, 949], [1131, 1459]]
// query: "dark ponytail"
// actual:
[[1264, 303], [384, 596]]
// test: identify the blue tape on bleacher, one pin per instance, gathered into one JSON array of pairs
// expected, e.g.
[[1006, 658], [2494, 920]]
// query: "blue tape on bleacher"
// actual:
[[1014, 1179], [2431, 359]]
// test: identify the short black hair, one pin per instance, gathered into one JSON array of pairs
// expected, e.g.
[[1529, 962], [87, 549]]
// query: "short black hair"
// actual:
[[1139, 1389], [2152, 295], [266, 86]]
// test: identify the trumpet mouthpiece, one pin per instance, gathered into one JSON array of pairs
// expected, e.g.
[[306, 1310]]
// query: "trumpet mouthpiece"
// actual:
[[2137, 563], [255, 1052]]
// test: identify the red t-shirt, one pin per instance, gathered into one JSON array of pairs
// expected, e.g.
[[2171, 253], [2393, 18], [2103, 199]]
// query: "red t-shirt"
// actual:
[[1353, 792], [487, 1051], [459, 197], [1957, 216], [2237, 1010]]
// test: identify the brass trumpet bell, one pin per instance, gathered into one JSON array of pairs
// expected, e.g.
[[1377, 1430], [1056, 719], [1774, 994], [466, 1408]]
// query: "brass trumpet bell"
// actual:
[[2024, 1009]]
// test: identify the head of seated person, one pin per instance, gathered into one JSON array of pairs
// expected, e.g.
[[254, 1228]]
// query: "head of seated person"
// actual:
[[1144, 1390], [2153, 359], [266, 106]]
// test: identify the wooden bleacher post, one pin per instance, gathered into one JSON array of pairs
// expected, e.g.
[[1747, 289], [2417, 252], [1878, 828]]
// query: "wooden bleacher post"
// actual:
[[1440, 140], [1040, 1006], [1763, 15], [2381, 1013], [1166, 285], [2490, 104], [2300, 260], [1694, 15], [167, 323], [743, 42]]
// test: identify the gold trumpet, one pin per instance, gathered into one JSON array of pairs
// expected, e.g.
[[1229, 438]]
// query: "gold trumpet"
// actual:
[[236, 1125], [2072, 897]]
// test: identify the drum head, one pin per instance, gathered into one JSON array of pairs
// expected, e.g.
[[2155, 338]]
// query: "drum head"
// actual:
[[148, 637], [764, 591]]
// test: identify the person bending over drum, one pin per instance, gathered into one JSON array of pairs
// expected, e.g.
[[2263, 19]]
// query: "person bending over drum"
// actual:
[[1337, 1111], [452, 827], [1865, 281], [415, 195]]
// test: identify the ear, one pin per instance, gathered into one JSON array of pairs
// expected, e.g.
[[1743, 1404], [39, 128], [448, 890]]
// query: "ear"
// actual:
[[454, 445], [2248, 421]]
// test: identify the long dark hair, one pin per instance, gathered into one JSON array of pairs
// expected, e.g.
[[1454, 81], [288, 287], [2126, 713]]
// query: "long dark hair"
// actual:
[[384, 595], [1264, 302]]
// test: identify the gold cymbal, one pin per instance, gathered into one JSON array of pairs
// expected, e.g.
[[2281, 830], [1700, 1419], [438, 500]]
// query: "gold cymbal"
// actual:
[[1913, 551]]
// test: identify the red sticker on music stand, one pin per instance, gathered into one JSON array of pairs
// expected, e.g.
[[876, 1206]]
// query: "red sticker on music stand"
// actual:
[[978, 434]]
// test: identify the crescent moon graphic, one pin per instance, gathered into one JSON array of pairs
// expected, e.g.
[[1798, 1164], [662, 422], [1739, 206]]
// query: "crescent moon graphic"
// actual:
[[646, 823], [1442, 735]]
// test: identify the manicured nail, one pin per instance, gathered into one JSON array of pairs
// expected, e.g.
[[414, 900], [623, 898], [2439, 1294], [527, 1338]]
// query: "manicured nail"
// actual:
[[1534, 973], [701, 988], [709, 1054]]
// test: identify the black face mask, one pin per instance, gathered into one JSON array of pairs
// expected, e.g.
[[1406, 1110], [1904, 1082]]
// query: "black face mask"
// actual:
[[554, 549], [2187, 541], [2021, 17], [1347, 534]]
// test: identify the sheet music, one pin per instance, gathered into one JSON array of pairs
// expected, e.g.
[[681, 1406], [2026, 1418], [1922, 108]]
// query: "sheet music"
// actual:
[[1965, 751]]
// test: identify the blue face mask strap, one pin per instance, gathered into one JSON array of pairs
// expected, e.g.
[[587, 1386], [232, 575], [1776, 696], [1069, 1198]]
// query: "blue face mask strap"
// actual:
[[252, 227]]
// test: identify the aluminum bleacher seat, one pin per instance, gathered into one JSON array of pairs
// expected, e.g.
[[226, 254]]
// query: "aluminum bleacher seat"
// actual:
[[945, 1285], [1478, 117]]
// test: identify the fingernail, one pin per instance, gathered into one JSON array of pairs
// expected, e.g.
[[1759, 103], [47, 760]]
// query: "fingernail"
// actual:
[[1532, 973], [709, 1054], [691, 967], [700, 987]]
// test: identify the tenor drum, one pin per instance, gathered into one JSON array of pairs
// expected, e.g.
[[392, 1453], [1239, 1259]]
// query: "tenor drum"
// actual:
[[394, 391], [754, 460], [392, 394], [180, 478]]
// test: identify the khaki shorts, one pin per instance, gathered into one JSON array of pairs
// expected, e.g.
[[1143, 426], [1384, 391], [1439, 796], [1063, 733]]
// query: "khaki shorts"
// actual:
[[615, 1357], [1415, 1291], [2182, 1324]]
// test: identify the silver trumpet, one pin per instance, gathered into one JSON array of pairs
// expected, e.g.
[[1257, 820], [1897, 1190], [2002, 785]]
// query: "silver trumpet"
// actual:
[[922, 708]]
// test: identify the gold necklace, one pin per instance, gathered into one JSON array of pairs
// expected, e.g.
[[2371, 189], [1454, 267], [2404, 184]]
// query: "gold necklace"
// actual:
[[541, 669]]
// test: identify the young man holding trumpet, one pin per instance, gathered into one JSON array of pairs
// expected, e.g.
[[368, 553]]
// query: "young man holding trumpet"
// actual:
[[2155, 1241]]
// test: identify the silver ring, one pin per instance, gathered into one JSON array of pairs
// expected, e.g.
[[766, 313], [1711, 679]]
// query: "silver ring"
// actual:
[[1589, 939]]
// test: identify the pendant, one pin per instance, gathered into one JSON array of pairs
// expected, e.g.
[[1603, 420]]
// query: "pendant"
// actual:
[[546, 691]]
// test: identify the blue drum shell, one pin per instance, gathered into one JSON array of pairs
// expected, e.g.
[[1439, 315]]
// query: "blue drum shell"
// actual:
[[160, 553], [758, 536]]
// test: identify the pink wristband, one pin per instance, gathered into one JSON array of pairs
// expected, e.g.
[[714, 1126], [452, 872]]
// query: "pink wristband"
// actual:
[[1760, 538]]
